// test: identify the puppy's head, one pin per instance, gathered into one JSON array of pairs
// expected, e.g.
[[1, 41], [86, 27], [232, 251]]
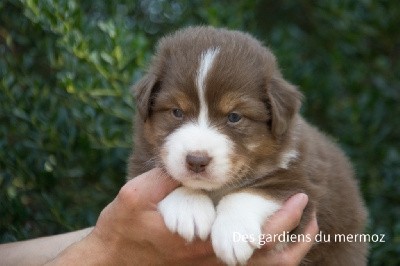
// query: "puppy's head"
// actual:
[[215, 108]]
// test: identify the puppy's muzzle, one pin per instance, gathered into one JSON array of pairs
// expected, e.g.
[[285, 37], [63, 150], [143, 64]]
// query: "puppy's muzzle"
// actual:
[[197, 161]]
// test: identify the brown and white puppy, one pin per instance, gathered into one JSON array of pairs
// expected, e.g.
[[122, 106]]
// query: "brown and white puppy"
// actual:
[[215, 112]]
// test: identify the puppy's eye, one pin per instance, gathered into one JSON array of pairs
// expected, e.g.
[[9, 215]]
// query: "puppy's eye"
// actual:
[[177, 113], [234, 117]]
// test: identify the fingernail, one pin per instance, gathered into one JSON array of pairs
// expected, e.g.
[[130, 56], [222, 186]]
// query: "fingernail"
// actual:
[[301, 198]]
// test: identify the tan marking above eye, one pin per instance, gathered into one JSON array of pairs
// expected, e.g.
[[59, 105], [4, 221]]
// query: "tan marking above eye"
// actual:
[[228, 102], [176, 100], [245, 106], [183, 101]]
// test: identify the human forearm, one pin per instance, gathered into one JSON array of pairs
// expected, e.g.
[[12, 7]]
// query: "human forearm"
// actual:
[[100, 249], [39, 251]]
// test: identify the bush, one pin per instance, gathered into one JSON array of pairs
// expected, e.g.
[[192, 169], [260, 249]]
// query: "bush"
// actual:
[[65, 104]]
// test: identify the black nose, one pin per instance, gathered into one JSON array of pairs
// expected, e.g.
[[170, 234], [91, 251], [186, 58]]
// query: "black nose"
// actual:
[[197, 161]]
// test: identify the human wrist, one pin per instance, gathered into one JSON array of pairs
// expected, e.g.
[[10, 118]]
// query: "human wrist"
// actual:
[[89, 251]]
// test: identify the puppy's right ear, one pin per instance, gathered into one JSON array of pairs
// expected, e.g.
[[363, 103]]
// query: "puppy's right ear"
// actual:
[[144, 92], [285, 102]]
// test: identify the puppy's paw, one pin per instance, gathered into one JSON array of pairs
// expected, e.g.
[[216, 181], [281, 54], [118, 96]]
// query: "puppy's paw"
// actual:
[[237, 228], [188, 212], [234, 238]]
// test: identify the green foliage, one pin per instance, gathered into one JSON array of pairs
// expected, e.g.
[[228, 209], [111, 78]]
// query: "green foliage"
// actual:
[[66, 68]]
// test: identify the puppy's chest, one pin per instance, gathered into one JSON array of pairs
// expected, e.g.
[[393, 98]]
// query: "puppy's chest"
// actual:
[[217, 195], [244, 185]]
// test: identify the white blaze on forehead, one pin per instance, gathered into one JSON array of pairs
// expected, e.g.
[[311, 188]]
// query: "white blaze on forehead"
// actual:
[[206, 61]]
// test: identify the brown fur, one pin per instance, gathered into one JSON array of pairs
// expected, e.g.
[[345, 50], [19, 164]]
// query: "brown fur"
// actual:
[[246, 77]]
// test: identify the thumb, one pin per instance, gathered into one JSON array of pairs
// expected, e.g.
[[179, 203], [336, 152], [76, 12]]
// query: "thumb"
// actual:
[[151, 187]]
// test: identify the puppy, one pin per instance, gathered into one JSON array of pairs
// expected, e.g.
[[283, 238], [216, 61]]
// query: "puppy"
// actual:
[[216, 114]]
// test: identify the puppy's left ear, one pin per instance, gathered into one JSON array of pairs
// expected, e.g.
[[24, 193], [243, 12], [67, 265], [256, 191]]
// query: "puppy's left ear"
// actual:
[[285, 102], [144, 92]]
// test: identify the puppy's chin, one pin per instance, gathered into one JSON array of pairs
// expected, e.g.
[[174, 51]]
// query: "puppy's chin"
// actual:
[[195, 181], [200, 184]]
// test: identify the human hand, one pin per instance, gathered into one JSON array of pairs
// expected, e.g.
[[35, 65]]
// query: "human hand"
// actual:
[[130, 230], [286, 219]]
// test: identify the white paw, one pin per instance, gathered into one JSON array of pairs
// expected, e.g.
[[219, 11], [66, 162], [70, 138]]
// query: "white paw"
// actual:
[[237, 228], [188, 212], [228, 239]]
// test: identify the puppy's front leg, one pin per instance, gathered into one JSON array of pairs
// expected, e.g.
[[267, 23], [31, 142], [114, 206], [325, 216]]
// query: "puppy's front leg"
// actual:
[[240, 216], [188, 212]]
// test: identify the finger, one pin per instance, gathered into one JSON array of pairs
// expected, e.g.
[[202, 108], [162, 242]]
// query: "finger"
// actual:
[[297, 251], [149, 187], [292, 253], [157, 231], [287, 218]]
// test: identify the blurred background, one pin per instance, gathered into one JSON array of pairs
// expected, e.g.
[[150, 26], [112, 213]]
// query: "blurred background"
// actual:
[[66, 70]]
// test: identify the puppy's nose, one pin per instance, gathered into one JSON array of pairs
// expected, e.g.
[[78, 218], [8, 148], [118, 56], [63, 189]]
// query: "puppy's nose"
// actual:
[[197, 161]]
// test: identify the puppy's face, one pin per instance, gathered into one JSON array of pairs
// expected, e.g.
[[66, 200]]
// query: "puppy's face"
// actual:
[[214, 107]]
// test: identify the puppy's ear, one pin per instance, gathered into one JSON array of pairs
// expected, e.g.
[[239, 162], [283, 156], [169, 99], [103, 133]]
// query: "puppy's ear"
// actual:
[[285, 102], [144, 92]]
